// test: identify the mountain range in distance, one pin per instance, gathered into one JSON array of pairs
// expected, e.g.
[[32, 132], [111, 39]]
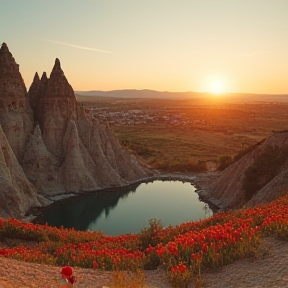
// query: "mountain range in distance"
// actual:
[[152, 94]]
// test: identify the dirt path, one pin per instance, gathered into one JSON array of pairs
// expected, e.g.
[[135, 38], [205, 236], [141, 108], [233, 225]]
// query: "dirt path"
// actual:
[[269, 270], [20, 274]]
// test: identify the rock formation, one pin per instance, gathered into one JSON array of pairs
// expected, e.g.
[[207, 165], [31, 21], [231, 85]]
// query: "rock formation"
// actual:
[[17, 194], [52, 148], [258, 177], [16, 124], [16, 117]]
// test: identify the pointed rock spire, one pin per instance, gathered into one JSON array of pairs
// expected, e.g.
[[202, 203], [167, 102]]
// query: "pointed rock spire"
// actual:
[[44, 81], [58, 150], [15, 110], [6, 60], [58, 85], [44, 77], [37, 90], [11, 82], [57, 63], [4, 47], [36, 78], [57, 71], [34, 92], [57, 101]]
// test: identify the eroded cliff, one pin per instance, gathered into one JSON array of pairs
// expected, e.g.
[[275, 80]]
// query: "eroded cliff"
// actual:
[[258, 177], [49, 146]]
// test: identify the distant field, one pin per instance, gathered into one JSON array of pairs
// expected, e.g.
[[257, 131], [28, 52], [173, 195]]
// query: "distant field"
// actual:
[[187, 135]]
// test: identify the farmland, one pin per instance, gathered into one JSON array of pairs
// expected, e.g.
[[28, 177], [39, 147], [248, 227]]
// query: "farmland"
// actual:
[[187, 135]]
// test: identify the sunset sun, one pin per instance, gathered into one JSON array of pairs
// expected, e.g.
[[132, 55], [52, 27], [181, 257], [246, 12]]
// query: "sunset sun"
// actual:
[[217, 86]]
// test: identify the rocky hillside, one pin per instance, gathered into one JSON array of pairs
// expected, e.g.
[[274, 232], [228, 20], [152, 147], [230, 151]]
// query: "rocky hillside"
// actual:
[[258, 177], [49, 146]]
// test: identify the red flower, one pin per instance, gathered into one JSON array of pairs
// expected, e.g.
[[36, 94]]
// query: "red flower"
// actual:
[[195, 256], [204, 247], [160, 251], [181, 268], [95, 265]]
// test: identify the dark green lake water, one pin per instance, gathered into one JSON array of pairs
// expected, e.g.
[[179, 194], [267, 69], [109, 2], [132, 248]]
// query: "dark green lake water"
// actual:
[[128, 211]]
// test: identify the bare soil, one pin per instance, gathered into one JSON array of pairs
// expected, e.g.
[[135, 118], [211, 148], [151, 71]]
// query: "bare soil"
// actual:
[[268, 270]]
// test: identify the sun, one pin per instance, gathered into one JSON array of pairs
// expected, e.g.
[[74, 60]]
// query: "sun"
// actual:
[[217, 86]]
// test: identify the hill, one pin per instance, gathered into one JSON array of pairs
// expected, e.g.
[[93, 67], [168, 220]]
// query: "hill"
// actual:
[[259, 176], [151, 94], [132, 93]]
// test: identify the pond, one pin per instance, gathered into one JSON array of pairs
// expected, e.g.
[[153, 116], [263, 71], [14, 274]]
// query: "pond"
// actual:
[[128, 210]]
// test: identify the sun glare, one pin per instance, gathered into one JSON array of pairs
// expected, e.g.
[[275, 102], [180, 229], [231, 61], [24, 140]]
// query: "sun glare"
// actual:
[[217, 86]]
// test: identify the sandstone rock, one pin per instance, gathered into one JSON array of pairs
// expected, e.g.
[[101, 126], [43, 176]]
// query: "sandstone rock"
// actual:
[[41, 167], [86, 156], [227, 192], [16, 117], [17, 194], [56, 104], [53, 148], [34, 91]]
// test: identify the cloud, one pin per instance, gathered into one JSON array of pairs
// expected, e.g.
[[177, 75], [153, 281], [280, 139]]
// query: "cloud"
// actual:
[[77, 46], [251, 54]]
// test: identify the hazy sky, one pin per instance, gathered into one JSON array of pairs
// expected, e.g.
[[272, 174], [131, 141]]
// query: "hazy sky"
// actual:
[[164, 45]]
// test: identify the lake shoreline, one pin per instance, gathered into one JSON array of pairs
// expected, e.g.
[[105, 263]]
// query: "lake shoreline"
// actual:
[[199, 180]]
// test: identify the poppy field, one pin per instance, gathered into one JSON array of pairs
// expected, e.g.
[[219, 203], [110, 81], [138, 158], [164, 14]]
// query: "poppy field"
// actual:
[[183, 250]]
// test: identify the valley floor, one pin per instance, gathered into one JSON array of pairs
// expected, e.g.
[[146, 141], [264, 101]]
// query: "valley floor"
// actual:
[[270, 269]]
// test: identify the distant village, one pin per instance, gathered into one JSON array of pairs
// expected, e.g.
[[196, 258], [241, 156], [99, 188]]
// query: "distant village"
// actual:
[[140, 117]]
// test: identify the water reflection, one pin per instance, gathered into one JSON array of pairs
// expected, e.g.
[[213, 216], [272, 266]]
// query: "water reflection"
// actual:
[[128, 210]]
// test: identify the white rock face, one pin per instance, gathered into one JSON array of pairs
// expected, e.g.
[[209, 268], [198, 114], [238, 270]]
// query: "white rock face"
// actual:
[[52, 148], [228, 192], [16, 116], [17, 194]]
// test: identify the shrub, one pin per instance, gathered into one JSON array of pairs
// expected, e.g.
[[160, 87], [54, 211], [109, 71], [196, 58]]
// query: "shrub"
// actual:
[[124, 279], [150, 236], [180, 276]]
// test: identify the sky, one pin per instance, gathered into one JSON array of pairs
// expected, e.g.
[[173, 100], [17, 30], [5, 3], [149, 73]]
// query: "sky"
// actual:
[[217, 46]]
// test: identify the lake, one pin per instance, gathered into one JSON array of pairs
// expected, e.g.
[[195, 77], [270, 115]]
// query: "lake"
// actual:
[[128, 210]]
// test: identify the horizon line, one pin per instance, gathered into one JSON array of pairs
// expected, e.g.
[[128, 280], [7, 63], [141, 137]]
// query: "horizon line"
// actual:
[[205, 92]]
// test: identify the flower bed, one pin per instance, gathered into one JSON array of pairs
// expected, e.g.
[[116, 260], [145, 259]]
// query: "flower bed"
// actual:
[[183, 251]]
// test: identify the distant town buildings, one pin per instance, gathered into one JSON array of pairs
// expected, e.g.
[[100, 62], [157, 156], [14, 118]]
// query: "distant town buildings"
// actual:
[[138, 117]]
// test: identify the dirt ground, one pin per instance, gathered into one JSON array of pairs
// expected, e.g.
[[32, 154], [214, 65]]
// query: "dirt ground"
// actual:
[[269, 270]]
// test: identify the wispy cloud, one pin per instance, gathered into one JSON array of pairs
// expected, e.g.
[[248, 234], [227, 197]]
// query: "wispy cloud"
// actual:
[[77, 46], [255, 53]]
